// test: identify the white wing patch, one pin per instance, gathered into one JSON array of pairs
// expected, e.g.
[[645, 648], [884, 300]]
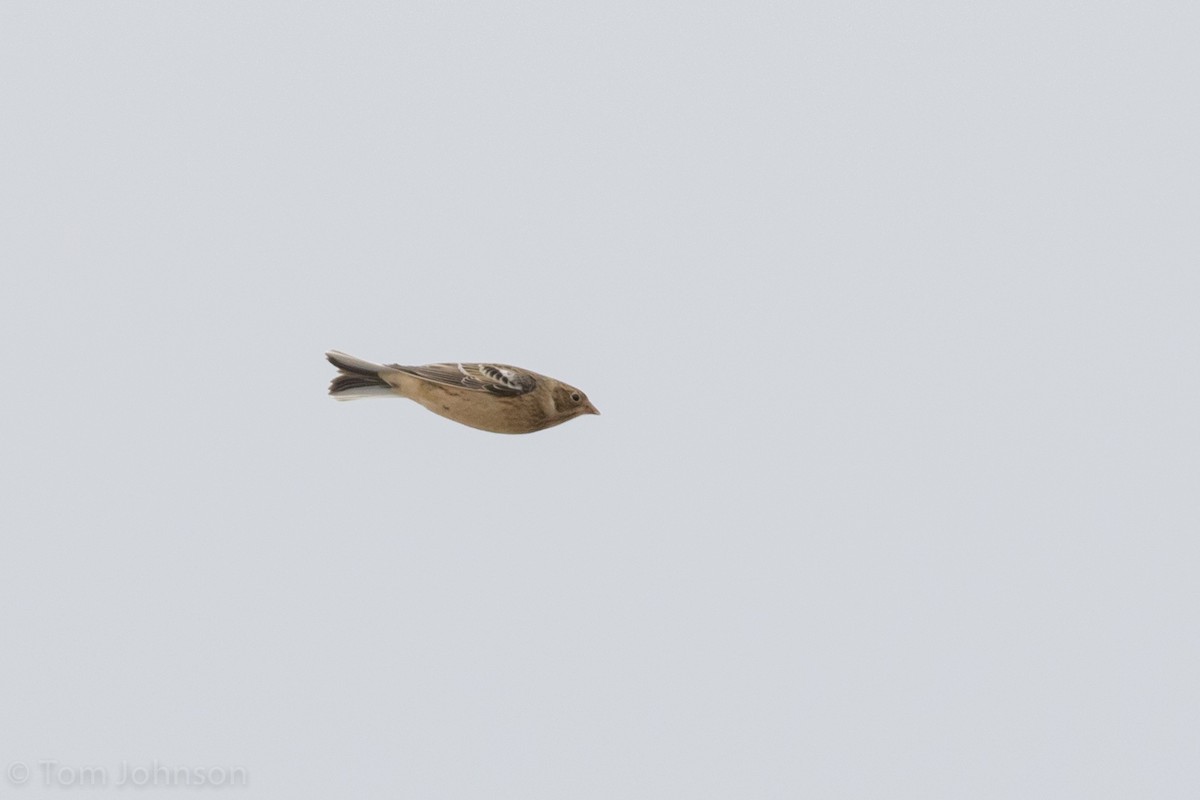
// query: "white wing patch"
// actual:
[[500, 375]]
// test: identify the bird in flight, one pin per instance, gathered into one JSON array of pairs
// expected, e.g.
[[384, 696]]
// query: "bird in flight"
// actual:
[[490, 397]]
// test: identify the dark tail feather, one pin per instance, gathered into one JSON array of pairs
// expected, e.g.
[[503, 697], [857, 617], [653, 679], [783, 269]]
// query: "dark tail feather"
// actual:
[[346, 383], [358, 378]]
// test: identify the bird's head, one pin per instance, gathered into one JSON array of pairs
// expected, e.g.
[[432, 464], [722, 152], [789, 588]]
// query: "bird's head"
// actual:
[[570, 402]]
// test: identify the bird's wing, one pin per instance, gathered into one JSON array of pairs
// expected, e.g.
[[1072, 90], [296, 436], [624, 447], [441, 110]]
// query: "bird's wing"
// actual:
[[498, 379]]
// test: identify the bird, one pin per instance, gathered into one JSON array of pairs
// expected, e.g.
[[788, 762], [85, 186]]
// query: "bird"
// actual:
[[491, 397]]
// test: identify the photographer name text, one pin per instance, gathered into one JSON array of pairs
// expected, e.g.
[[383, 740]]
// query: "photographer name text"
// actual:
[[46, 772]]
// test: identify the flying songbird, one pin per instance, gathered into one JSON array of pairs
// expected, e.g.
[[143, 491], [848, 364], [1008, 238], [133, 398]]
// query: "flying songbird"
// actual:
[[491, 397]]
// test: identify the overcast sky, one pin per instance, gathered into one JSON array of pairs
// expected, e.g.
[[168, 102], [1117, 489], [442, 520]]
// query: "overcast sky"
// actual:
[[891, 312]]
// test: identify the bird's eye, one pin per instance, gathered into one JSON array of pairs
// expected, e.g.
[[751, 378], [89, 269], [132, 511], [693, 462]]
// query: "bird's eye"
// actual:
[[575, 397]]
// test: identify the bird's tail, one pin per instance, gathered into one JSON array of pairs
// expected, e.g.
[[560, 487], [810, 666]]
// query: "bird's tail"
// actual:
[[356, 378]]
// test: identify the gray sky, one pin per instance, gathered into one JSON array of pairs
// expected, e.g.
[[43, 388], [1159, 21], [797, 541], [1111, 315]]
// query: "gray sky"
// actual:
[[891, 313]]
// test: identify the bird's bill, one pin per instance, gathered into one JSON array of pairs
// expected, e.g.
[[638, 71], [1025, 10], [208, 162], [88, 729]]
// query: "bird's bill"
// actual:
[[591, 409]]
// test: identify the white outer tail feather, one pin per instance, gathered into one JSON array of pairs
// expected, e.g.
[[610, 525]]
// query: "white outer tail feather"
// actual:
[[360, 392], [351, 363]]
